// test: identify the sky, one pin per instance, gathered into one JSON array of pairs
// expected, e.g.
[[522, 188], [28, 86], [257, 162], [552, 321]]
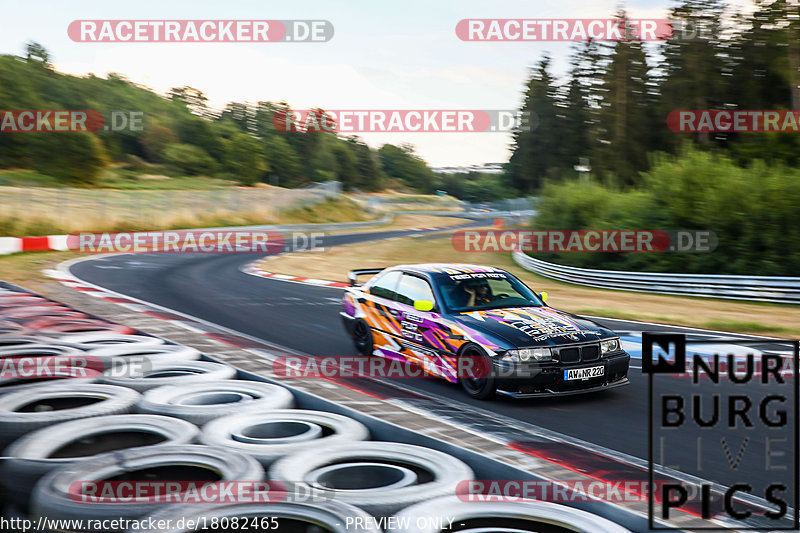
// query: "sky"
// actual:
[[383, 55]]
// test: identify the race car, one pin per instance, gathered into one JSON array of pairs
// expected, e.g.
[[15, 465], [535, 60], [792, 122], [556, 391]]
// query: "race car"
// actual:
[[481, 327]]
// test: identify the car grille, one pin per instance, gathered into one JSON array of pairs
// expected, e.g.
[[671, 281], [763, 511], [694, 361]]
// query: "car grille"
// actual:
[[590, 353], [578, 354]]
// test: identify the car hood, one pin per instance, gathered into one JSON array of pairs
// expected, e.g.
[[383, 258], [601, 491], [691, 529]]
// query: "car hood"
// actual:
[[533, 326]]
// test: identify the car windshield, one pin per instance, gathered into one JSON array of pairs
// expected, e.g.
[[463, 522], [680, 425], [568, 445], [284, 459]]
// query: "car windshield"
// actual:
[[485, 290]]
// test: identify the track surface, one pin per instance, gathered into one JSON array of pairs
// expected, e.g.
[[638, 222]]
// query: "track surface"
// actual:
[[305, 318]]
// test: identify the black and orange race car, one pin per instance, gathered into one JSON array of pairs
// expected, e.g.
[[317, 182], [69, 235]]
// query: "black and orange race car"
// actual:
[[483, 328]]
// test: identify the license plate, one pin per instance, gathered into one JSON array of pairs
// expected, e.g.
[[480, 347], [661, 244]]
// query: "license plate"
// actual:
[[584, 373]]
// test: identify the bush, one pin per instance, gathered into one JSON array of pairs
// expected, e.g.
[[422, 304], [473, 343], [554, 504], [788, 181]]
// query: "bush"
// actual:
[[72, 158], [753, 212], [189, 159]]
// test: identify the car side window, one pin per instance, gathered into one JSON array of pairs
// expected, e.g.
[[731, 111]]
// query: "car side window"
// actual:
[[385, 285], [412, 288]]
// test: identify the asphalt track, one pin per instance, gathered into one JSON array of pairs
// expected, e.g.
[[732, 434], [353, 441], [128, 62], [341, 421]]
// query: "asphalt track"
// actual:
[[305, 318]]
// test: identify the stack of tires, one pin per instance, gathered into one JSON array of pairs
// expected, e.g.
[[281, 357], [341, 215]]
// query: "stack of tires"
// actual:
[[146, 412]]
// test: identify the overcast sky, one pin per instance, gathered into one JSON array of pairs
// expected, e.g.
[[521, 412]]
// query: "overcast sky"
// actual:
[[398, 55]]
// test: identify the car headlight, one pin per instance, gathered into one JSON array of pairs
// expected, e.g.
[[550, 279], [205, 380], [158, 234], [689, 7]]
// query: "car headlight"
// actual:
[[609, 346], [524, 355]]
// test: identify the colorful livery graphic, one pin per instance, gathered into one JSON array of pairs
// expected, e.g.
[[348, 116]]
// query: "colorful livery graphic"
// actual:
[[481, 327]]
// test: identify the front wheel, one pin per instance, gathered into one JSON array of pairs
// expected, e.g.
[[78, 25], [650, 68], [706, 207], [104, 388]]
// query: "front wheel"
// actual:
[[362, 337], [476, 378]]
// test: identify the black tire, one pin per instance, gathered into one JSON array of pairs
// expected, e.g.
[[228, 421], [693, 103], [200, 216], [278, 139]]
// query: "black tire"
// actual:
[[204, 401], [82, 366], [27, 410], [19, 341], [87, 375], [160, 373], [51, 497], [478, 382], [255, 434], [520, 516], [40, 348], [379, 477], [90, 341], [37, 453], [118, 354], [362, 337], [318, 516]]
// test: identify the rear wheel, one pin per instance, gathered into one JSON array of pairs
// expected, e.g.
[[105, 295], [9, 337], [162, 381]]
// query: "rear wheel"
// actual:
[[476, 378], [362, 337]]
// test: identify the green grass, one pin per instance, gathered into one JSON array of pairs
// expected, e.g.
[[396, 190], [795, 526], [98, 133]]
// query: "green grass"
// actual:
[[736, 325], [27, 178], [153, 177]]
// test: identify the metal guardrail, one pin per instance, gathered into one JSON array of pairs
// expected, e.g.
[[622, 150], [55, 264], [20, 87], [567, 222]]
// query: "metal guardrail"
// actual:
[[756, 288]]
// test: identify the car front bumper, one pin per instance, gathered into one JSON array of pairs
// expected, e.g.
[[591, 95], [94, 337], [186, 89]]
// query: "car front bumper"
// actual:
[[548, 379], [348, 321]]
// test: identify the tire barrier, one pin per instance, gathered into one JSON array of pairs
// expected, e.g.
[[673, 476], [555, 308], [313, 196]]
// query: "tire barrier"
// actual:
[[202, 402], [270, 435], [9, 328], [327, 517], [57, 376], [28, 313], [498, 517], [142, 355], [34, 349], [24, 411], [11, 340], [88, 341], [160, 373], [41, 451], [58, 433], [75, 325], [379, 477], [56, 496]]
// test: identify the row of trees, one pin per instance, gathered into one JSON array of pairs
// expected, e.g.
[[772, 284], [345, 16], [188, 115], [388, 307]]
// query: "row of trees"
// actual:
[[185, 136], [613, 105]]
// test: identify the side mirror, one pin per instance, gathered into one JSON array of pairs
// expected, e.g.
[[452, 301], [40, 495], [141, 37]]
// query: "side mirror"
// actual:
[[543, 296], [423, 305]]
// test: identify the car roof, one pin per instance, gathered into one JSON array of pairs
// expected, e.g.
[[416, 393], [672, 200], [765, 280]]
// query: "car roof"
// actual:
[[446, 268]]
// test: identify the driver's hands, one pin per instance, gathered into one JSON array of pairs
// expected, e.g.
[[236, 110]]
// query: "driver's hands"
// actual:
[[470, 290]]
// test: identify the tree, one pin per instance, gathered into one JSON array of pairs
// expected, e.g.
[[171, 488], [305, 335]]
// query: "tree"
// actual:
[[346, 165], [74, 158], [625, 117], [245, 160], [189, 159], [401, 163], [36, 52], [370, 177], [285, 167], [193, 99], [535, 152]]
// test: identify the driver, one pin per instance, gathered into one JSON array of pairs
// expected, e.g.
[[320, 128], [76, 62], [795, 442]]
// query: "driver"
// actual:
[[478, 291]]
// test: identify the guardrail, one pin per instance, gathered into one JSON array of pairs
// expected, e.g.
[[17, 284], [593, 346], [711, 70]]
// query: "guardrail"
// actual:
[[756, 288]]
